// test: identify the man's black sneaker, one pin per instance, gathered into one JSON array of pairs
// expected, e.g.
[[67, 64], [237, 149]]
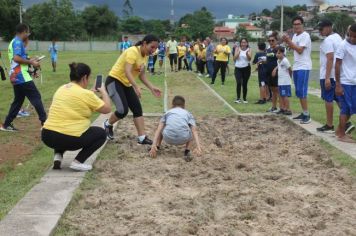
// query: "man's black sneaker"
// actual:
[[300, 117], [109, 130], [260, 102], [187, 156], [145, 141], [306, 120], [326, 129], [287, 113], [280, 112], [9, 128], [349, 127]]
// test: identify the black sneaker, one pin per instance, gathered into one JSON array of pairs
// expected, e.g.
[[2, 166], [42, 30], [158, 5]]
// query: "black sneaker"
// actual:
[[187, 156], [261, 102], [300, 117], [349, 127], [9, 128], [287, 113], [109, 129], [305, 120], [326, 129], [280, 112], [146, 141]]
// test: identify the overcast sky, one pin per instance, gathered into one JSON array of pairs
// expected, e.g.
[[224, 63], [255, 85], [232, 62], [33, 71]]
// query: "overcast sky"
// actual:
[[150, 9]]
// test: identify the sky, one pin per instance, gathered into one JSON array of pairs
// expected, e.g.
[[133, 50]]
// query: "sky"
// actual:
[[160, 9]]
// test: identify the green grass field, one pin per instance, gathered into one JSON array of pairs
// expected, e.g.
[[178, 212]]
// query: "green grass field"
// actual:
[[19, 174]]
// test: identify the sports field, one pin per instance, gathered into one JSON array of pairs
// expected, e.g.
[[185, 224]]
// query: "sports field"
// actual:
[[260, 171]]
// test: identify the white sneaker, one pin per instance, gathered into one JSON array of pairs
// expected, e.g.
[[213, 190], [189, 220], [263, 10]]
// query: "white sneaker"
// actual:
[[57, 161], [238, 101], [200, 74], [276, 110], [80, 166], [207, 76], [245, 102]]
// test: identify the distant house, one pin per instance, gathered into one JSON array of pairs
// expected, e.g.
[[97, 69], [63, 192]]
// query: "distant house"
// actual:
[[307, 16], [224, 32], [234, 21], [254, 31], [338, 9]]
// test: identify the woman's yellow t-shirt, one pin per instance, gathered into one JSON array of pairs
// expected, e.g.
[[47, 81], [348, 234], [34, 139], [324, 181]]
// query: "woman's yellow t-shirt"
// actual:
[[181, 51], [71, 109], [132, 56], [222, 56], [202, 54]]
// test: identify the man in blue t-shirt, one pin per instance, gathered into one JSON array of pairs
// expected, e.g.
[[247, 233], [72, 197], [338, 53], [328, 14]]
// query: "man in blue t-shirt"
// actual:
[[53, 50], [125, 44], [161, 54]]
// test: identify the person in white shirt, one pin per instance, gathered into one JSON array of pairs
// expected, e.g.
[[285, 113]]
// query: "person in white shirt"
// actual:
[[345, 75], [242, 58], [172, 51], [301, 44], [328, 49], [284, 69]]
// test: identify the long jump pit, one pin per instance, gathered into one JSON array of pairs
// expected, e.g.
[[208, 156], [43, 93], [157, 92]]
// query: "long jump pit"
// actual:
[[259, 175]]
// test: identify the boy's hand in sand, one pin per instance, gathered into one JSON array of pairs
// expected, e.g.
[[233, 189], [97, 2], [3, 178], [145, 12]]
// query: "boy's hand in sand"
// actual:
[[153, 152], [198, 151]]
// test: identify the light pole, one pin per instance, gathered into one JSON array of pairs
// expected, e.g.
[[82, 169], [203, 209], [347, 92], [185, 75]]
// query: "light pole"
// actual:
[[282, 13], [172, 12], [20, 11]]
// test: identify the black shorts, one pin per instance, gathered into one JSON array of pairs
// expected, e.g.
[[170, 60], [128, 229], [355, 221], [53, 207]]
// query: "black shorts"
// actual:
[[272, 81], [124, 98], [262, 78]]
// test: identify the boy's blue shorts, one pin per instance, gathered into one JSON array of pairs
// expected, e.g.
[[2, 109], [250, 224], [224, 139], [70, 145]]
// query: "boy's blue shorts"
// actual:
[[328, 95], [301, 79], [285, 90], [161, 57], [348, 100], [54, 58]]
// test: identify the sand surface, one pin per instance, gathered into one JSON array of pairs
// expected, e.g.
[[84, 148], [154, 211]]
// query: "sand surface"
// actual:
[[258, 176]]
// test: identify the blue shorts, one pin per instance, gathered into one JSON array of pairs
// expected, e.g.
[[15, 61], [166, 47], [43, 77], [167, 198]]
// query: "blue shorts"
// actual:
[[301, 78], [285, 90], [54, 58], [161, 57], [348, 100], [328, 95]]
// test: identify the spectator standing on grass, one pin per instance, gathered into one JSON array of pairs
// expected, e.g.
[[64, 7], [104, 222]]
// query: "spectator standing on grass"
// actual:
[[222, 57], [68, 125], [125, 44], [301, 44], [2, 72], [125, 92], [260, 60], [53, 50], [202, 60], [345, 75], [242, 58], [182, 50], [284, 69], [210, 58], [272, 81], [328, 48], [161, 54], [172, 51], [21, 80]]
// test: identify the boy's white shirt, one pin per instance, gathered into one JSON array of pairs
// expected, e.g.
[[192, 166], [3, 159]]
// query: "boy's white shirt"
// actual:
[[283, 72], [302, 61], [329, 45], [347, 53]]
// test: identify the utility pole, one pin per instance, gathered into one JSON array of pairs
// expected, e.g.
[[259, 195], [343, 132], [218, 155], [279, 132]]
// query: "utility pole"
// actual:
[[172, 12], [282, 18], [20, 11]]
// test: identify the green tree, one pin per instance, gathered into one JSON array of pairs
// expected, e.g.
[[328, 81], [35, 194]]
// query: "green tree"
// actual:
[[241, 32], [64, 24], [9, 18], [200, 24], [155, 27], [340, 22], [99, 20], [133, 25], [266, 12]]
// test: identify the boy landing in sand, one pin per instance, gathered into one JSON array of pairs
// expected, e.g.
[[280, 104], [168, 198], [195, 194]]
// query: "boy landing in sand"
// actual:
[[177, 127]]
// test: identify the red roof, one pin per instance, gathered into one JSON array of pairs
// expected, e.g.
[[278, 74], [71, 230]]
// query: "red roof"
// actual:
[[223, 29]]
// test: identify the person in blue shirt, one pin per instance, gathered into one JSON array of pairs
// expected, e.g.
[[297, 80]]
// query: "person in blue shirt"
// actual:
[[161, 54], [23, 86], [260, 61], [125, 44], [53, 50]]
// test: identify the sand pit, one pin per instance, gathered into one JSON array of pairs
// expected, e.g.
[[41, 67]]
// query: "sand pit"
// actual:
[[258, 176]]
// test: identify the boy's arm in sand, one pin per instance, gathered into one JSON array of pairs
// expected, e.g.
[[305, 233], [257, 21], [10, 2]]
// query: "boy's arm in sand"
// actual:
[[153, 151], [196, 139]]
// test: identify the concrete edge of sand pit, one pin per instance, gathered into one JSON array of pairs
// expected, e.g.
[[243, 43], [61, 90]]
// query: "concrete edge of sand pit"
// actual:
[[40, 210]]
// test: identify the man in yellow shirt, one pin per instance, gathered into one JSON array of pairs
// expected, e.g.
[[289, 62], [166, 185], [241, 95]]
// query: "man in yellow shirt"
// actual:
[[182, 50], [124, 91], [221, 62]]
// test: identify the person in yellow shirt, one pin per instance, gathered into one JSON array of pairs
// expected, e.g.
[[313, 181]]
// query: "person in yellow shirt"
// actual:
[[196, 52], [123, 89], [202, 60], [68, 125], [182, 50], [221, 62]]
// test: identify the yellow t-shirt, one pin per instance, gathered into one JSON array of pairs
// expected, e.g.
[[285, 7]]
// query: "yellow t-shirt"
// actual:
[[196, 49], [132, 56], [222, 56], [71, 109], [202, 54], [182, 50]]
